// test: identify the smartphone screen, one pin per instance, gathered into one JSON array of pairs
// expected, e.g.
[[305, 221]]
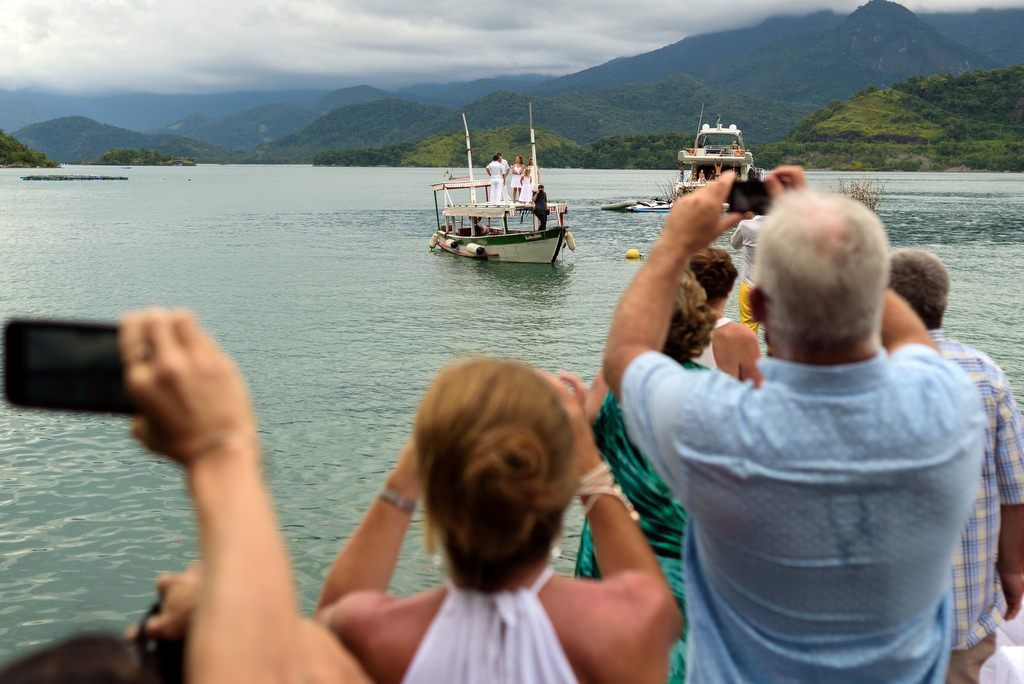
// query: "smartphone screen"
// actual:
[[64, 365], [747, 196]]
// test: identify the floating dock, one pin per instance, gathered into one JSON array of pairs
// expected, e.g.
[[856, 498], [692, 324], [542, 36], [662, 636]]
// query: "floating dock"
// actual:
[[67, 177]]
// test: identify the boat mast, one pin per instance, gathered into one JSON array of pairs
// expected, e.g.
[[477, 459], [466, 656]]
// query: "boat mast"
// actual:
[[700, 120], [533, 151], [469, 160]]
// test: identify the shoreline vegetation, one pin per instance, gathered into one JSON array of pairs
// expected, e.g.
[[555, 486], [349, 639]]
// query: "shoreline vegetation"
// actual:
[[16, 155], [130, 157]]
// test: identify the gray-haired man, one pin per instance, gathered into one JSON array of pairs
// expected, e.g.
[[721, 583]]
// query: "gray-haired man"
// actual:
[[824, 507]]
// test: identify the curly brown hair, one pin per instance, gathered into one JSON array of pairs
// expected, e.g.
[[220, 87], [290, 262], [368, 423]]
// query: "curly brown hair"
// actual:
[[715, 271], [692, 321]]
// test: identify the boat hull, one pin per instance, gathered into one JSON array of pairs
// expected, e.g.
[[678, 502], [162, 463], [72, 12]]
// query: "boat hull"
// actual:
[[538, 247]]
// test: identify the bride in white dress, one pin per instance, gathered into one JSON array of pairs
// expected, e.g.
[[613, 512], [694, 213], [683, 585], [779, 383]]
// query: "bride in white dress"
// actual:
[[526, 191]]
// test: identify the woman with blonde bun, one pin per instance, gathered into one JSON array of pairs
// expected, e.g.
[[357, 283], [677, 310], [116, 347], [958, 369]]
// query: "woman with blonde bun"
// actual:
[[498, 451]]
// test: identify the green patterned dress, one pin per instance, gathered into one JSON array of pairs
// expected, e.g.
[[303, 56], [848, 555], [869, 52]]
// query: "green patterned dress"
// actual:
[[662, 519]]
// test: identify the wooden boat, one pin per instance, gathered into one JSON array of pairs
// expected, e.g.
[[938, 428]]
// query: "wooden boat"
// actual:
[[496, 231]]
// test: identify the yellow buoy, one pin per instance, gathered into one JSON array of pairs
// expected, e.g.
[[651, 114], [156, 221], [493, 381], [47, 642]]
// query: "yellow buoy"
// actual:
[[634, 254], [570, 241], [433, 241]]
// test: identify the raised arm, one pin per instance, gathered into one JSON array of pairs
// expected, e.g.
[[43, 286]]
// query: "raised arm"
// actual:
[[195, 409], [901, 326], [618, 539], [641, 321]]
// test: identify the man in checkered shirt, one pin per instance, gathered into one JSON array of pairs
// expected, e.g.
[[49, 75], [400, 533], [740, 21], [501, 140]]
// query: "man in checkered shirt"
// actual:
[[987, 583]]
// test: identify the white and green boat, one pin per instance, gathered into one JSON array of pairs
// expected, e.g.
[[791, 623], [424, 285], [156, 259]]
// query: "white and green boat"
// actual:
[[496, 231]]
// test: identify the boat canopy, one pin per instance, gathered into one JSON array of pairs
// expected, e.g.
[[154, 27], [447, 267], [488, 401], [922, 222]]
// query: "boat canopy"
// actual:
[[461, 185]]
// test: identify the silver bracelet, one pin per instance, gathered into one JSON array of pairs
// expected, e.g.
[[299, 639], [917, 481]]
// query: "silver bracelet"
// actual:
[[402, 503]]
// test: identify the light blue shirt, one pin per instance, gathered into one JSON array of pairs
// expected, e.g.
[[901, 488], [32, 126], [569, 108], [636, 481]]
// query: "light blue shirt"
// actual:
[[824, 510]]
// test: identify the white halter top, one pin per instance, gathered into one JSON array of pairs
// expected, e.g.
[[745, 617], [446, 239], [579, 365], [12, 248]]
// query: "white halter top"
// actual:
[[504, 637], [707, 357]]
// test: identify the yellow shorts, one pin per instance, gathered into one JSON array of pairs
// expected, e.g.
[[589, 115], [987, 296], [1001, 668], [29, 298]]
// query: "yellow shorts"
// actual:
[[746, 312]]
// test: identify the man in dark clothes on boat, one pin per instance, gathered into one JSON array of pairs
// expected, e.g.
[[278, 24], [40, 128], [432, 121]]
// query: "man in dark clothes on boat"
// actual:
[[540, 207]]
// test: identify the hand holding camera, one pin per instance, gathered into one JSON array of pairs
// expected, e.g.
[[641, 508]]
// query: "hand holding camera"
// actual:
[[191, 398]]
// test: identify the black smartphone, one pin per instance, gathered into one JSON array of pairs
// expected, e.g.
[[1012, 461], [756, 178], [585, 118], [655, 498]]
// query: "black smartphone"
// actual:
[[747, 196], [64, 365]]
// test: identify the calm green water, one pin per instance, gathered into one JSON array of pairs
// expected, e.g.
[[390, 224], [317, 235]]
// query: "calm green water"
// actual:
[[319, 282]]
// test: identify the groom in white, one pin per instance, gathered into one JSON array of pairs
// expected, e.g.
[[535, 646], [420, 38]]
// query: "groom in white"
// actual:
[[496, 171]]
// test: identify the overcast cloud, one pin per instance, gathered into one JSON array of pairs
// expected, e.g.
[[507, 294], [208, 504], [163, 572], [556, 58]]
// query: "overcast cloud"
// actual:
[[172, 46]]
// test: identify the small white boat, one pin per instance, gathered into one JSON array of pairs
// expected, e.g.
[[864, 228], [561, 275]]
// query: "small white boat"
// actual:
[[655, 205], [496, 231], [624, 205]]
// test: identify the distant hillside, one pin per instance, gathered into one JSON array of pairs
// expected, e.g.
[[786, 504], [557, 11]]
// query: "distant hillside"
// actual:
[[669, 105], [701, 55], [77, 138], [974, 121], [15, 153], [364, 125], [459, 93], [350, 96], [880, 43], [450, 150], [16, 111], [148, 111], [996, 34], [246, 130]]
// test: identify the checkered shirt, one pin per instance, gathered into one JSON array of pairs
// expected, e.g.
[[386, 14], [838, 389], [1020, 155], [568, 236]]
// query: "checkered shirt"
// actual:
[[978, 598]]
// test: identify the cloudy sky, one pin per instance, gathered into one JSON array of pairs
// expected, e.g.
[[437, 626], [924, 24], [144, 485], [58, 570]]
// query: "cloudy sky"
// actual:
[[93, 46]]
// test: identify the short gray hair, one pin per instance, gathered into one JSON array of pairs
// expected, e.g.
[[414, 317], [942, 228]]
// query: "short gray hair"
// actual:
[[921, 278], [822, 265]]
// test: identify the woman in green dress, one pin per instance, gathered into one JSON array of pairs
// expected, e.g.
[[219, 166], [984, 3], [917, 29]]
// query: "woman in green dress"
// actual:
[[662, 518]]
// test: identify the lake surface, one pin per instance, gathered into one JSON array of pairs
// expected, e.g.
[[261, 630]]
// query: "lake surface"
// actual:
[[318, 281]]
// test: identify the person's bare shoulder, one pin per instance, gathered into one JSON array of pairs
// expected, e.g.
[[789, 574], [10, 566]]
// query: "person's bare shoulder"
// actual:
[[383, 632], [736, 333], [631, 621]]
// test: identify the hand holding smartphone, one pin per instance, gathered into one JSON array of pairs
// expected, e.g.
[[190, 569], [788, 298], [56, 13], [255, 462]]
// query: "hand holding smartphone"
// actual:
[[749, 196], [64, 365]]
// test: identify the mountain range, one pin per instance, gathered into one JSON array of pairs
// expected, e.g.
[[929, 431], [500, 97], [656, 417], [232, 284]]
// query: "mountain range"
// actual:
[[764, 78]]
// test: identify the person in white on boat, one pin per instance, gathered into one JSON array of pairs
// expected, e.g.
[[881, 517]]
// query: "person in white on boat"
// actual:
[[526, 192], [518, 167], [504, 170], [496, 191]]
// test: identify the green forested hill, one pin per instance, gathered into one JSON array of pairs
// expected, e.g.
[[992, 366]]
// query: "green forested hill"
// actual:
[[372, 124], [671, 104], [974, 121], [77, 138], [15, 153], [450, 150], [245, 130]]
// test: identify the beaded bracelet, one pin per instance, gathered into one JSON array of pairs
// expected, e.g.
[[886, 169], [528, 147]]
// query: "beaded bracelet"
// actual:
[[601, 482]]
